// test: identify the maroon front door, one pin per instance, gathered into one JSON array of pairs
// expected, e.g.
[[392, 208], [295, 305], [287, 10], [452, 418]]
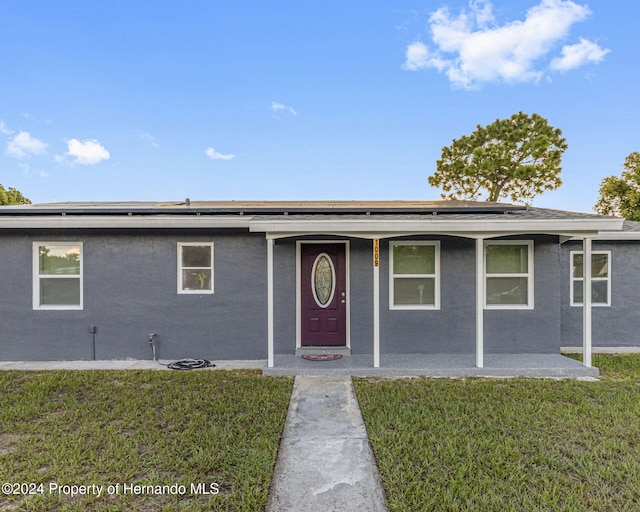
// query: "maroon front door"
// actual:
[[323, 295]]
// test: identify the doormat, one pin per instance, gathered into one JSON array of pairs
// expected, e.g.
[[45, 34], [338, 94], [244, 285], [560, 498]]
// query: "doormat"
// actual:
[[321, 357]]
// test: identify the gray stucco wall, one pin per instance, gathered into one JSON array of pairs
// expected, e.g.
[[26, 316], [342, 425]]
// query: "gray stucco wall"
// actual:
[[536, 330], [619, 324], [130, 291], [451, 329]]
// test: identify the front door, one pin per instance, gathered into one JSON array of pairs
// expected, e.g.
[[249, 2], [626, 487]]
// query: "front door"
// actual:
[[323, 295]]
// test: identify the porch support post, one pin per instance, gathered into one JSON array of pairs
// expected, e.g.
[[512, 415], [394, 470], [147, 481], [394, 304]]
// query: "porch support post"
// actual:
[[586, 301], [270, 302], [480, 302], [376, 303]]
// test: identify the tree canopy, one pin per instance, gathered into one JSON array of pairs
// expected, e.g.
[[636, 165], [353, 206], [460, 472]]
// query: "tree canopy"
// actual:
[[621, 196], [516, 158], [12, 196]]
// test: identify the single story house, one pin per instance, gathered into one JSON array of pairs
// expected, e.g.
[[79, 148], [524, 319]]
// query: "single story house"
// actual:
[[267, 280]]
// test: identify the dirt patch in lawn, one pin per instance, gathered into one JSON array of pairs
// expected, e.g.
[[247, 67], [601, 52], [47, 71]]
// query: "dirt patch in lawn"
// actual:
[[9, 443]]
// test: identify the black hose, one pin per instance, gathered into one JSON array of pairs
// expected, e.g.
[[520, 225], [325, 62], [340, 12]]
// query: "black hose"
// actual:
[[190, 364]]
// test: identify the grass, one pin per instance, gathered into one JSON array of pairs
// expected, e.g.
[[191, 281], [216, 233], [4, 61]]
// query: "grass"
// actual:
[[508, 445], [216, 428]]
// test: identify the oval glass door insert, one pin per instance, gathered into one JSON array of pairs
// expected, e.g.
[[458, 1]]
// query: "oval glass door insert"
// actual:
[[323, 280]]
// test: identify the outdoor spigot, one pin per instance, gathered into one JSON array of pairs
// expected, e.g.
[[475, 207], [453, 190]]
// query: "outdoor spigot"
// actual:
[[152, 343]]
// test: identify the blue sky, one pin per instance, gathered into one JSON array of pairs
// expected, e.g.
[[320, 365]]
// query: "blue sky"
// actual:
[[164, 100]]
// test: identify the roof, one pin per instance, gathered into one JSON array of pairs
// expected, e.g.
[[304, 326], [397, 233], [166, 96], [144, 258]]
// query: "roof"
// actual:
[[288, 218], [630, 231], [259, 207]]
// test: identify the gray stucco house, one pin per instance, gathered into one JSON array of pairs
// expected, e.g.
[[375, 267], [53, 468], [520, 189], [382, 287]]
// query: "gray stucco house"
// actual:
[[269, 280]]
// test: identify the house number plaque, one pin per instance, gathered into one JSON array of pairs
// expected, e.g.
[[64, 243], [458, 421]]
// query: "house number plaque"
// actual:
[[376, 252]]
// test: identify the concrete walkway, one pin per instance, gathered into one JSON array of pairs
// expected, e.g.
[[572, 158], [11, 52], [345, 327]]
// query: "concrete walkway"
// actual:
[[325, 462]]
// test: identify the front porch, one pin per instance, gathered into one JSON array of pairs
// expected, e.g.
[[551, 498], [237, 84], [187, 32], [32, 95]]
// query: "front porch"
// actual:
[[435, 365]]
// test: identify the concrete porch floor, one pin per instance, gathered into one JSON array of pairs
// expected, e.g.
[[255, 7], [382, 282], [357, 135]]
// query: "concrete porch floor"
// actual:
[[436, 365]]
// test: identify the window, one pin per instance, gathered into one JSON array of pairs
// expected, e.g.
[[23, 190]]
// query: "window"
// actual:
[[195, 267], [57, 275], [414, 275], [509, 274], [600, 278]]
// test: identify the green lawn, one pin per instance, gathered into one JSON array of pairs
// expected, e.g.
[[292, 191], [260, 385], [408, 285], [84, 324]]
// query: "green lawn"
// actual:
[[218, 429], [508, 445]]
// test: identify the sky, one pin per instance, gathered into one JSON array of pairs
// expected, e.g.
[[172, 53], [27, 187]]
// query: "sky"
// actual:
[[163, 100]]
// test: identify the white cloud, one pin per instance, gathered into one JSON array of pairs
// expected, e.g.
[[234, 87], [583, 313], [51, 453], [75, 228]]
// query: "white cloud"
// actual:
[[576, 55], [419, 57], [28, 171], [87, 152], [149, 138], [3, 129], [279, 107], [24, 145], [214, 155], [471, 48]]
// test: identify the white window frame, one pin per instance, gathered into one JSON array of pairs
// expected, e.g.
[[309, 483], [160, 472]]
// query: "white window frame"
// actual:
[[180, 245], [435, 276], [572, 279], [529, 275], [37, 276]]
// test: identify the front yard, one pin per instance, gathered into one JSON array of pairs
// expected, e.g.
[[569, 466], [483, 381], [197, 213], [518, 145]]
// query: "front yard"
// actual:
[[508, 445], [207, 440], [139, 440]]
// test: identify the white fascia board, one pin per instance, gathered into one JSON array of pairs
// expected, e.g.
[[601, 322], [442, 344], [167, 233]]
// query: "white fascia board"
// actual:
[[124, 222], [614, 235], [469, 228]]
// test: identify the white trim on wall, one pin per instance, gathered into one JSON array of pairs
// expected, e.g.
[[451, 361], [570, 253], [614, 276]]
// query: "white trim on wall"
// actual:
[[573, 279], [347, 263], [37, 276], [181, 267], [435, 276], [529, 275]]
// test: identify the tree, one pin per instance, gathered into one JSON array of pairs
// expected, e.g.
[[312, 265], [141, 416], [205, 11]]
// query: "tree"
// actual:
[[516, 158], [621, 196], [12, 196]]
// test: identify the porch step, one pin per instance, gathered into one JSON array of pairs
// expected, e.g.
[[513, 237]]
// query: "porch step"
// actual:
[[303, 351]]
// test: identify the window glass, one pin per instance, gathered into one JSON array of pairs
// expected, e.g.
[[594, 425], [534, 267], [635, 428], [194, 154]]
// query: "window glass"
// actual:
[[195, 268], [600, 293], [60, 292], [196, 256], [57, 275], [508, 274], [577, 292], [196, 279], [414, 259], [507, 290], [599, 265], [414, 275], [59, 260], [414, 291], [578, 264], [507, 259]]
